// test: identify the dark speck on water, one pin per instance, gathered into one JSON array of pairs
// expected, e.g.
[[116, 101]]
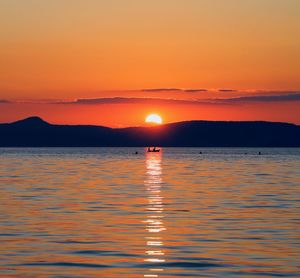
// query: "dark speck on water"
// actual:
[[97, 212]]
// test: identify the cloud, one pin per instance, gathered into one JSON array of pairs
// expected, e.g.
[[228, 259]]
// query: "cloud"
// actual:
[[265, 98], [283, 97], [130, 100], [159, 90], [227, 90], [195, 90]]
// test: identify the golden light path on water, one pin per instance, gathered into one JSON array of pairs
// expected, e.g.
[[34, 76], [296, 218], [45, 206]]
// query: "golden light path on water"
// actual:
[[154, 222]]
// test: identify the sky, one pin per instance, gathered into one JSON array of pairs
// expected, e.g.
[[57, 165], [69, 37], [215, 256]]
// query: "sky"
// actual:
[[112, 62]]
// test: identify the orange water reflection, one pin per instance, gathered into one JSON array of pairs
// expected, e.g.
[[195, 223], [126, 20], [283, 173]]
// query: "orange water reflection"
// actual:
[[155, 218], [111, 213]]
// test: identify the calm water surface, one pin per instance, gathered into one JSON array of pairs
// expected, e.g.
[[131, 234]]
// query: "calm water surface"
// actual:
[[109, 213]]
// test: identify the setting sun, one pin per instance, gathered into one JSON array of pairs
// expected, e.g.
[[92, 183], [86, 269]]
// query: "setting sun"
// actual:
[[153, 118]]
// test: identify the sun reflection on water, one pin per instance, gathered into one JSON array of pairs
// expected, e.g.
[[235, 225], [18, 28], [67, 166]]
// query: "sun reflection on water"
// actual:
[[155, 219]]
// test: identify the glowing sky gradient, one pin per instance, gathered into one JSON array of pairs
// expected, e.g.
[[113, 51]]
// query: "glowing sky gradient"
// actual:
[[57, 51]]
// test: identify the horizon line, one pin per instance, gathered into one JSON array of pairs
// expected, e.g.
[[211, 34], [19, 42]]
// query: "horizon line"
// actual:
[[39, 118]]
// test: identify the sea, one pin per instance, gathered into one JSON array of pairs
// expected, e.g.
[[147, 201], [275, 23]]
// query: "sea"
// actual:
[[180, 212]]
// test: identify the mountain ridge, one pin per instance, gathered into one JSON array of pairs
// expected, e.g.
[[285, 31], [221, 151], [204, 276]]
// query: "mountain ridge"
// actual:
[[35, 132], [36, 119]]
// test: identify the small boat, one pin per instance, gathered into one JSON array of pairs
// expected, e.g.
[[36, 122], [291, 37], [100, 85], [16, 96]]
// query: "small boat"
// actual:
[[154, 150]]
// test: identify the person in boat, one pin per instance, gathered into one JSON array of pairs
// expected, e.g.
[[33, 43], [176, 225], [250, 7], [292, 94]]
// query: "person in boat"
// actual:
[[153, 150]]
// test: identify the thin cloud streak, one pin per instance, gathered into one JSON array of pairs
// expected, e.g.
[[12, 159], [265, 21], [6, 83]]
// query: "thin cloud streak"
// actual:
[[157, 90], [5, 101], [195, 90], [227, 90], [269, 98], [129, 100], [165, 101], [221, 90], [218, 101], [160, 90]]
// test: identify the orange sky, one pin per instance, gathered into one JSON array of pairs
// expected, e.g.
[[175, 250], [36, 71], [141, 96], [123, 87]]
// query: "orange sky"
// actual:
[[68, 50]]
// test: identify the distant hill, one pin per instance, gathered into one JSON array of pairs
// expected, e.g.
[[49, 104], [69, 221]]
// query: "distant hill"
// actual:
[[35, 132]]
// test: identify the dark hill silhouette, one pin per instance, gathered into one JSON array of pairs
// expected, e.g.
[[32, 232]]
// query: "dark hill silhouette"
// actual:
[[35, 132], [31, 121]]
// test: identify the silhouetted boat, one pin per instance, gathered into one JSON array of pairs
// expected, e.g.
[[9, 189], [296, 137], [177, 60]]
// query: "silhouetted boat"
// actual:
[[154, 150]]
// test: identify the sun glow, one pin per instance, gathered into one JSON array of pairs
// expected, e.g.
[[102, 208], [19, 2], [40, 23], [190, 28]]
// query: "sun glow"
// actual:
[[153, 118]]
